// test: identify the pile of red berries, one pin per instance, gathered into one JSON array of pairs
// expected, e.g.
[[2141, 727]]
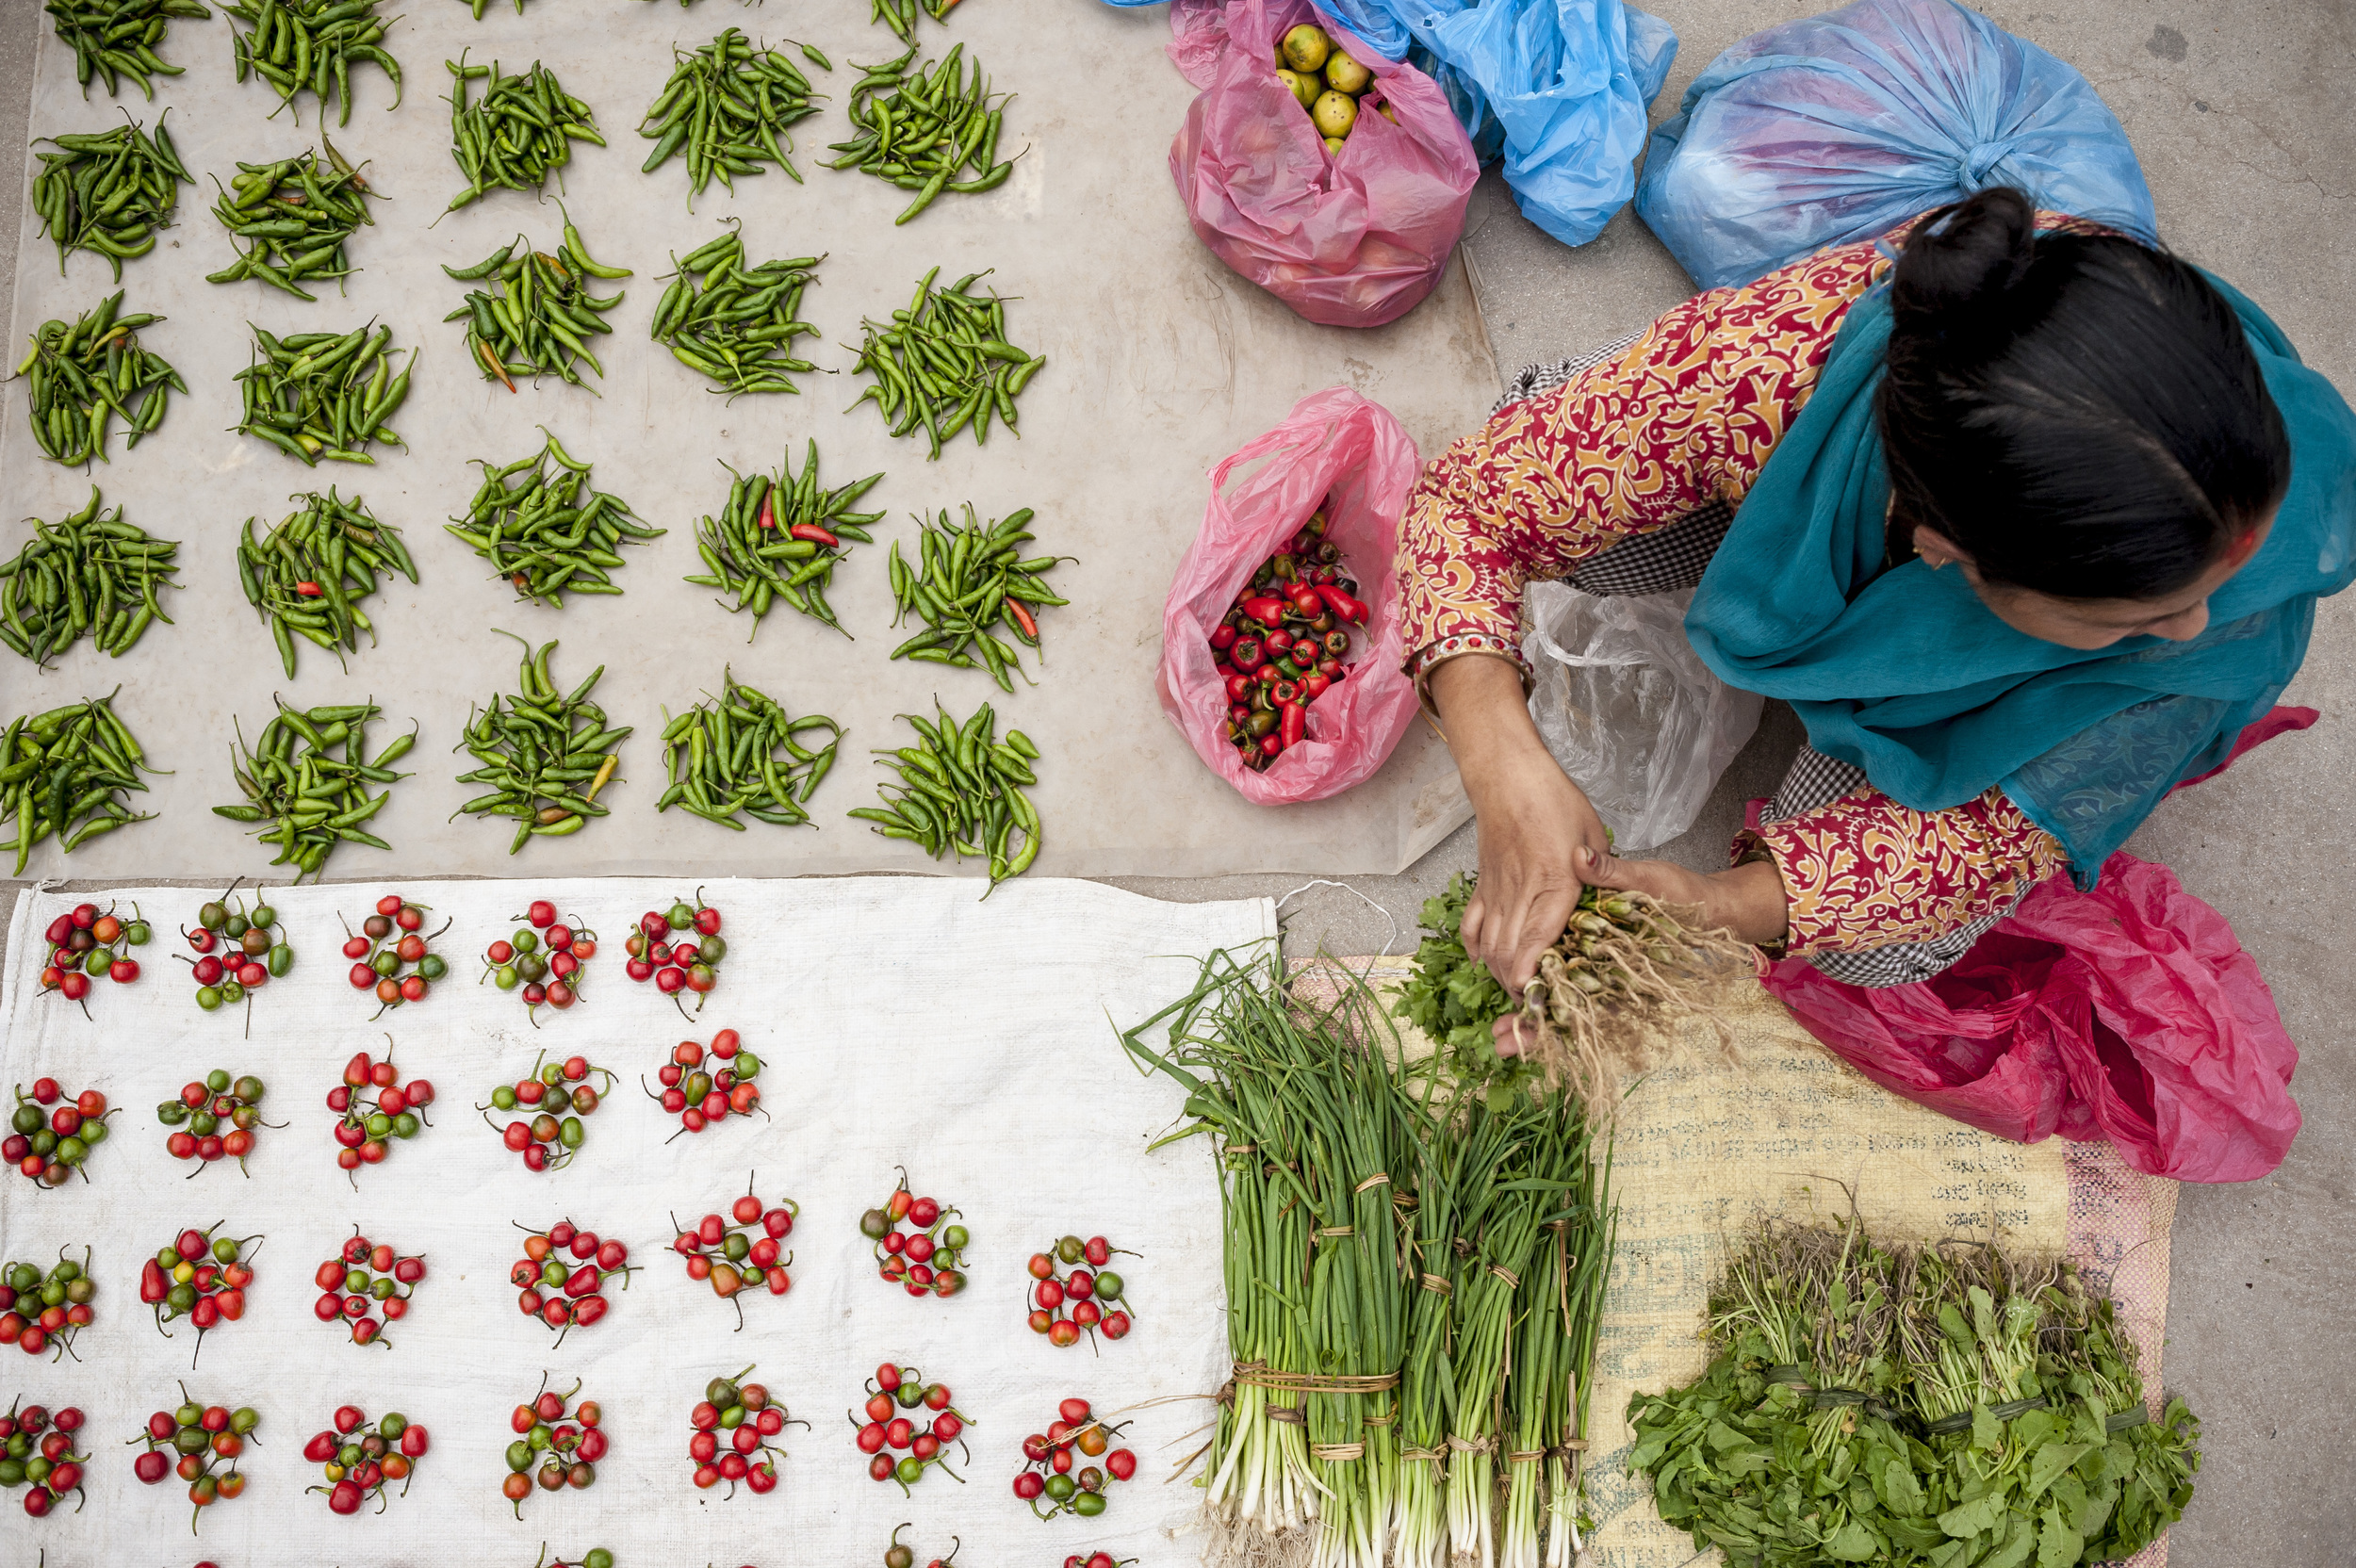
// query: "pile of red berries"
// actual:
[[894, 1389], [566, 1442], [553, 975], [734, 1425], [1089, 1298], [364, 1126], [255, 951], [700, 1093], [924, 1257], [733, 1256], [561, 1293], [197, 1115], [361, 1280], [1099, 1559], [45, 1312], [1047, 1472], [206, 1441], [86, 944], [199, 1276], [560, 1095], [361, 1456], [1286, 643], [39, 1448], [897, 1556], [399, 968], [679, 949], [45, 1144]]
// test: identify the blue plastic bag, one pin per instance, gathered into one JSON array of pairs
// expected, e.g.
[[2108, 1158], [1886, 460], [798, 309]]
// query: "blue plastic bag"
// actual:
[[1557, 88], [1834, 128]]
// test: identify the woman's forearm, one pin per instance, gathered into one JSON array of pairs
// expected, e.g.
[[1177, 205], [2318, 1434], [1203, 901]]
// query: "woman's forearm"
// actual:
[[1485, 718]]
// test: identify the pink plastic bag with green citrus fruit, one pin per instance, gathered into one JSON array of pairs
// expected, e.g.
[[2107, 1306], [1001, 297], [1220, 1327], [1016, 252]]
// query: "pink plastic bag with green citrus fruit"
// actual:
[[1353, 238]]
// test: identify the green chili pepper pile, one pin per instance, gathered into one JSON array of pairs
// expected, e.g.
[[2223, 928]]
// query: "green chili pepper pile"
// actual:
[[945, 363], [309, 45], [549, 532], [960, 790], [900, 15], [108, 192], [482, 5], [299, 44], [306, 576], [779, 539], [726, 107], [920, 128], [540, 320], [736, 324], [66, 773], [723, 758], [85, 374], [520, 129], [547, 755], [322, 394], [90, 574], [966, 583], [295, 215], [306, 782], [113, 38], [1904, 1405]]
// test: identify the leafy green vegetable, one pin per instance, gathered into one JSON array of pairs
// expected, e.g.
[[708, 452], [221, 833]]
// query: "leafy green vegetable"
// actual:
[[1945, 1407], [1452, 999]]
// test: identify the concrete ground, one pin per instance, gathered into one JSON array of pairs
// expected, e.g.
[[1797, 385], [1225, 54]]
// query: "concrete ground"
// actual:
[[2240, 112]]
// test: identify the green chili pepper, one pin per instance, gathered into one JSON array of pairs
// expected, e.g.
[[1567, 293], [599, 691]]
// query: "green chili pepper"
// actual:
[[942, 361], [90, 574], [520, 130], [305, 782], [545, 529], [957, 793], [113, 38], [727, 107], [545, 756], [295, 216], [727, 747], [107, 193], [309, 45]]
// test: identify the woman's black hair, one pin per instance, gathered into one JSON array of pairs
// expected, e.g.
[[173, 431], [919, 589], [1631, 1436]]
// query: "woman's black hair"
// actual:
[[2079, 413]]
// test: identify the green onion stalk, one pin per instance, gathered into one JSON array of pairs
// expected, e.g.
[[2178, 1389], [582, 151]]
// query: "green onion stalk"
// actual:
[[1589, 1230], [1488, 1277], [1428, 1388]]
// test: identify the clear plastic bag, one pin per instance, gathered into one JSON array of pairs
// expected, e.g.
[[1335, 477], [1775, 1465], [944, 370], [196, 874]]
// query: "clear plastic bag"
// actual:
[[1628, 707], [1337, 451], [2129, 1013], [1834, 128], [1353, 238]]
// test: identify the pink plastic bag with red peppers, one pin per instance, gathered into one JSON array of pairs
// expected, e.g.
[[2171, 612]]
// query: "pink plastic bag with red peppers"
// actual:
[[1339, 452], [1352, 238]]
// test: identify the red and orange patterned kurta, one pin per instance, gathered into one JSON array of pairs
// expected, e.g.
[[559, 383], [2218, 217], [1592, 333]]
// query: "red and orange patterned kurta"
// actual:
[[1688, 415]]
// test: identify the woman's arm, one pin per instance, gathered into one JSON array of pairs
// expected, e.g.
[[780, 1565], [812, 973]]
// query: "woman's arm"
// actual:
[[1540, 840]]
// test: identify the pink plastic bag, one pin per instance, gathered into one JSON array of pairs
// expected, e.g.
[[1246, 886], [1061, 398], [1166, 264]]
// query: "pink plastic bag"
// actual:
[[2130, 1013], [1337, 451], [1353, 238]]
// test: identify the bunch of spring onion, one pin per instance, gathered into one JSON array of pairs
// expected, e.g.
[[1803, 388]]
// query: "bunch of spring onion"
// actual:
[[1395, 1239]]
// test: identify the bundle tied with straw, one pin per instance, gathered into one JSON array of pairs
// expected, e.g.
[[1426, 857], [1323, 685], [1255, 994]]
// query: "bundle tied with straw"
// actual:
[[1631, 985], [1395, 1239]]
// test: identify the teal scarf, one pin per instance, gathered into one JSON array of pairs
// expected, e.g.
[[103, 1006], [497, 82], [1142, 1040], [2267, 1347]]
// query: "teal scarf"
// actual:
[[1905, 674]]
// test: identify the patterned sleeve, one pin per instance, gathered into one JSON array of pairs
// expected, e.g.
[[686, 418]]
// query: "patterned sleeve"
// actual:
[[1865, 872], [1686, 415]]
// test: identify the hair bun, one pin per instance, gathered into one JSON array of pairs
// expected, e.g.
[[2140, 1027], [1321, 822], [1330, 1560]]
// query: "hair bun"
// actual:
[[1961, 260]]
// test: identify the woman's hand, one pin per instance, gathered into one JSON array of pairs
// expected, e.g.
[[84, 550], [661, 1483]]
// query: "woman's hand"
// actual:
[[1749, 901], [1539, 837]]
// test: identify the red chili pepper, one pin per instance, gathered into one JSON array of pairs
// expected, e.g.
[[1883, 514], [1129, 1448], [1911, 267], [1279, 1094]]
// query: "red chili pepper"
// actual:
[[309, 590], [1277, 640], [1292, 723], [1022, 621], [1315, 687], [1222, 637], [768, 517], [1266, 609], [1270, 744], [153, 1286], [1334, 669], [815, 534], [1285, 694], [1267, 675], [1306, 603], [1238, 686], [1341, 604]]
